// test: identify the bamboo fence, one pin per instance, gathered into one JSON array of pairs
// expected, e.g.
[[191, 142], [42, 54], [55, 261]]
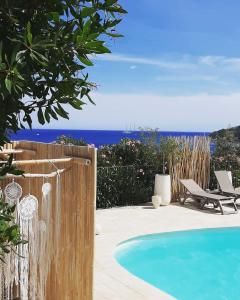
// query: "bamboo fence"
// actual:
[[192, 160], [70, 275]]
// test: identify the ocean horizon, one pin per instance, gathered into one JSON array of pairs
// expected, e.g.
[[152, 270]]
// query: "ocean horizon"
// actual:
[[96, 137]]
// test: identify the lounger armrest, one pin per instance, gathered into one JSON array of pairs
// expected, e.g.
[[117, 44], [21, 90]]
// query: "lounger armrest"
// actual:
[[213, 191]]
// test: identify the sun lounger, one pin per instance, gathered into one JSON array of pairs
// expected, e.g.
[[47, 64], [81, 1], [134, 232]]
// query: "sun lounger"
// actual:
[[225, 185], [202, 197]]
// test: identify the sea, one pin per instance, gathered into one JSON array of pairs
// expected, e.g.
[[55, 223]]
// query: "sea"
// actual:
[[95, 137]]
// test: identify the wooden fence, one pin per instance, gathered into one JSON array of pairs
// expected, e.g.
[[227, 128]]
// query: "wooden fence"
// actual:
[[69, 255], [191, 161]]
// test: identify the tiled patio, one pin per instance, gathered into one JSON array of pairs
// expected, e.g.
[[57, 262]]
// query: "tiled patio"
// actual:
[[112, 282]]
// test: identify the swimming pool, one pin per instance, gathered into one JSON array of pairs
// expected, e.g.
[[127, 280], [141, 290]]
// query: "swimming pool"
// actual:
[[189, 265]]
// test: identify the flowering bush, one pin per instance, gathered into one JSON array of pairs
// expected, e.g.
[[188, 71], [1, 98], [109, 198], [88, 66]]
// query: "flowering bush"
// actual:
[[126, 171], [68, 140], [226, 156], [124, 185], [127, 152]]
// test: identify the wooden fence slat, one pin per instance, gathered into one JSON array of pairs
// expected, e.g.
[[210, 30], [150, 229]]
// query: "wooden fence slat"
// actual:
[[71, 274]]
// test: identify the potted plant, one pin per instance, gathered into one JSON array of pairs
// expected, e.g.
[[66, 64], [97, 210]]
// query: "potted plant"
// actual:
[[168, 148]]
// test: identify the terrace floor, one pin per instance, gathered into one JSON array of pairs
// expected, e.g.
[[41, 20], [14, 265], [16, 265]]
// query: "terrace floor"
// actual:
[[111, 281]]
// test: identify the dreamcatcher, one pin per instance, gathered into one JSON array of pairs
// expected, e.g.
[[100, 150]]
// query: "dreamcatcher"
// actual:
[[9, 269], [22, 269], [28, 221], [45, 241], [13, 192]]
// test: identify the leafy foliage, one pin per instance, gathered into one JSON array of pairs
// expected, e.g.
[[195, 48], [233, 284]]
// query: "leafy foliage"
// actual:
[[44, 49], [68, 140], [226, 155], [9, 231], [124, 185], [227, 147], [232, 131], [126, 170]]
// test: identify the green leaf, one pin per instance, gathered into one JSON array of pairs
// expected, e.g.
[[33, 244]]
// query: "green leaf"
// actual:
[[117, 9], [8, 84], [85, 61], [18, 172], [55, 16], [61, 112], [115, 35], [39, 57], [28, 119], [86, 27], [46, 114], [87, 11], [29, 34], [90, 99], [53, 114], [110, 2], [76, 103], [40, 116]]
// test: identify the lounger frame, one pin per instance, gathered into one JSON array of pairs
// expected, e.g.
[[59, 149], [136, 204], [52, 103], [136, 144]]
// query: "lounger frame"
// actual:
[[224, 192], [206, 199]]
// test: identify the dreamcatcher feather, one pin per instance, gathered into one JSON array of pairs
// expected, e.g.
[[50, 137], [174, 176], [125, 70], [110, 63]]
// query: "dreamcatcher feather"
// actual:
[[57, 225], [45, 241], [28, 220]]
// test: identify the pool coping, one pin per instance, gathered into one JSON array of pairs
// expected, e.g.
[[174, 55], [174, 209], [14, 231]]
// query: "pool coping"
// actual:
[[111, 280]]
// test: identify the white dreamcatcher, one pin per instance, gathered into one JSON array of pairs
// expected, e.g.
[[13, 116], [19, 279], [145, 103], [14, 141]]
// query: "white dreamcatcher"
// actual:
[[9, 269], [40, 234], [13, 192], [28, 221]]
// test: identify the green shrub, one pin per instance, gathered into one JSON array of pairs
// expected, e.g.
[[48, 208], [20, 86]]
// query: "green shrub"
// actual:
[[10, 235], [68, 140], [124, 185], [126, 171]]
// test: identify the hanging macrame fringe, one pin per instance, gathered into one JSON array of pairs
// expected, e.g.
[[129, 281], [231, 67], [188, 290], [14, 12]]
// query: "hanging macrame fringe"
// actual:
[[22, 275]]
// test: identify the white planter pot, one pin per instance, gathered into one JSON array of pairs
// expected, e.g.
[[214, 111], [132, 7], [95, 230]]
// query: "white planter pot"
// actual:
[[162, 188], [156, 201]]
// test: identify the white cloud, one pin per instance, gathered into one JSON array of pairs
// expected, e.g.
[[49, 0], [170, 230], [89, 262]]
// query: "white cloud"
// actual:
[[210, 60], [193, 78], [185, 62], [187, 78], [220, 61], [133, 67], [202, 112], [162, 63]]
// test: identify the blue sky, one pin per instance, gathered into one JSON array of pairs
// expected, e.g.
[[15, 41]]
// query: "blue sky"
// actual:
[[178, 58]]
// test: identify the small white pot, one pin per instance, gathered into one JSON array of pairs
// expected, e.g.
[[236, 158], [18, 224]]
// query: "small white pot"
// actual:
[[156, 201], [98, 229]]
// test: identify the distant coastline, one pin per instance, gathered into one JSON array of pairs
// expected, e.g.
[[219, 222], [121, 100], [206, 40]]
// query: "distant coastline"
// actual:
[[96, 137]]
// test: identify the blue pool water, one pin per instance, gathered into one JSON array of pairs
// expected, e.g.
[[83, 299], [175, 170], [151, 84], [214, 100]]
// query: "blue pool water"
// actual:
[[188, 265]]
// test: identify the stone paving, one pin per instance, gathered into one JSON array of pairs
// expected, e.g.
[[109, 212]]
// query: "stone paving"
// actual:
[[111, 281]]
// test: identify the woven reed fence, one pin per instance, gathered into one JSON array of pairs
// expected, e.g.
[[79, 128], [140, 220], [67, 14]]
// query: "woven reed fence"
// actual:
[[191, 161], [69, 275]]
